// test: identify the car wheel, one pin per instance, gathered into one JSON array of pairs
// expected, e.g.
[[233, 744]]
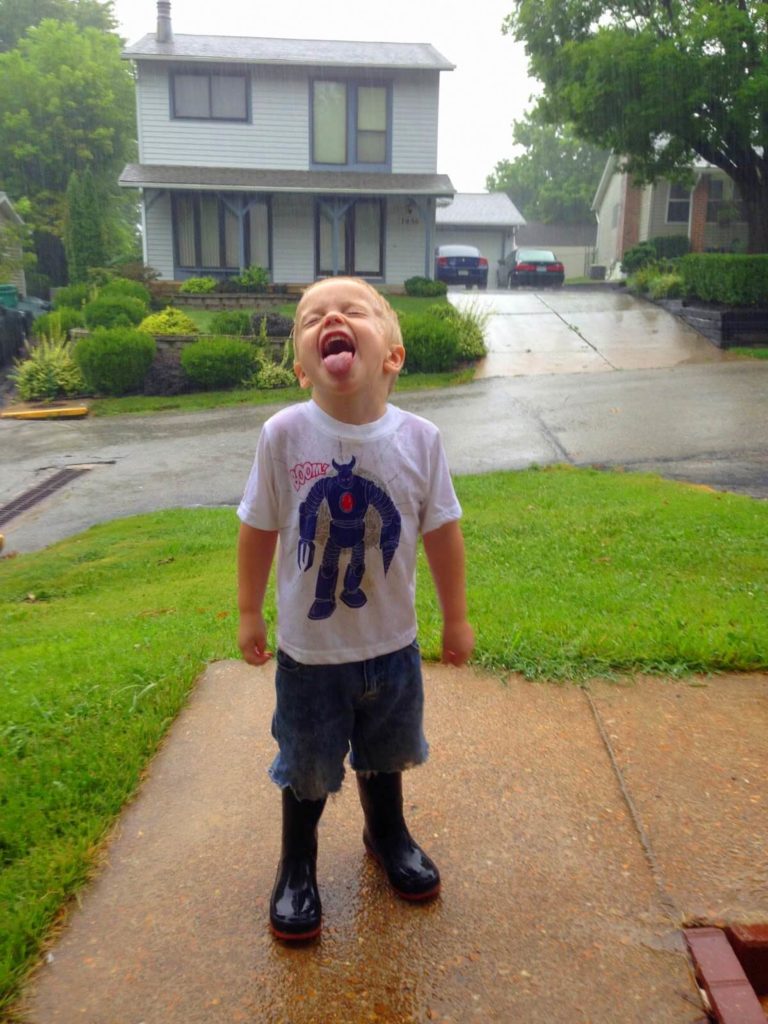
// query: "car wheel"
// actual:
[[483, 285], [468, 286]]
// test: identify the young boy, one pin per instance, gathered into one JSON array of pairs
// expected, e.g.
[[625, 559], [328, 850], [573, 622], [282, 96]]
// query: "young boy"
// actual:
[[347, 482]]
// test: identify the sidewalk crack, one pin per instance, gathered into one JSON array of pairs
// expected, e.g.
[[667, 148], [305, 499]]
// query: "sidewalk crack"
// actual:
[[668, 904]]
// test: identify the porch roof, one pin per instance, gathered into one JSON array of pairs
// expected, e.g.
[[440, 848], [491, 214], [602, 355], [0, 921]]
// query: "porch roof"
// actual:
[[236, 179], [312, 52]]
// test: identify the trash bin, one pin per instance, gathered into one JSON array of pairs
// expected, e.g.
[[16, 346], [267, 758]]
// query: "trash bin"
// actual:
[[9, 296]]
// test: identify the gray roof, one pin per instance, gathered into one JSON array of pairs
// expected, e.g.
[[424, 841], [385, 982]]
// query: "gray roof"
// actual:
[[479, 209], [325, 52], [237, 179], [535, 233]]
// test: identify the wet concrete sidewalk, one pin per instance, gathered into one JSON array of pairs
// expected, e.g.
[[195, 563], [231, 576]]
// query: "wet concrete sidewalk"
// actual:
[[576, 830]]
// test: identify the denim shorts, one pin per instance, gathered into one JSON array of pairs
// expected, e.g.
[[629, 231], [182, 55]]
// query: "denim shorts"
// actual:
[[371, 709]]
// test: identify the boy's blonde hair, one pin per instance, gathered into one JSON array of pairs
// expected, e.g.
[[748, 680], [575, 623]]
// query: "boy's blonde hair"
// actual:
[[378, 301]]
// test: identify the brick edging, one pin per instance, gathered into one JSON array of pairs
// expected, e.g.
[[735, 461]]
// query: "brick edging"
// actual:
[[731, 996]]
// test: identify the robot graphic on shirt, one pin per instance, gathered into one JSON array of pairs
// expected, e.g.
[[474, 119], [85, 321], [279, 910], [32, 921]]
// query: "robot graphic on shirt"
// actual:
[[349, 497]]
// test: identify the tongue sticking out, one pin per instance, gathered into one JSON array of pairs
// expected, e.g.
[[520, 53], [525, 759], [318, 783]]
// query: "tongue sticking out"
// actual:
[[339, 363]]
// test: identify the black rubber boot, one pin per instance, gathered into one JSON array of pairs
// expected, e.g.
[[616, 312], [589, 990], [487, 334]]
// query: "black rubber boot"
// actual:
[[411, 873], [294, 909]]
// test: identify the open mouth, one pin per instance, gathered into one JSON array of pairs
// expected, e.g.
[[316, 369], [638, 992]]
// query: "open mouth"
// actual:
[[337, 352], [335, 344]]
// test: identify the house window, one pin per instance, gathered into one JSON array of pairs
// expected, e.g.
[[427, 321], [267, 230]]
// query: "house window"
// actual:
[[211, 97], [679, 204], [206, 233], [350, 124], [361, 239]]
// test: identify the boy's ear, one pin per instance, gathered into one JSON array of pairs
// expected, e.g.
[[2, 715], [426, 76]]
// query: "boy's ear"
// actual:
[[395, 359], [303, 379]]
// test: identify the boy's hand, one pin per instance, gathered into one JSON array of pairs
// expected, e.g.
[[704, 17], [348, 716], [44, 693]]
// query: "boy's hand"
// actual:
[[458, 642], [252, 638]]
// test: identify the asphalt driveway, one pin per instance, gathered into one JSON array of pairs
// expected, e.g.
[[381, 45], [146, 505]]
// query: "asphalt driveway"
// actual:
[[581, 329]]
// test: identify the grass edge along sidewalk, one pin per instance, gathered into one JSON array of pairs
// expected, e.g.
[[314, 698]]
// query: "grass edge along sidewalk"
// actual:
[[571, 573]]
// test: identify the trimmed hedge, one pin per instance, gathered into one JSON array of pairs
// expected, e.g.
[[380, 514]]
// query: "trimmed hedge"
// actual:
[[729, 278], [432, 345], [114, 311], [423, 286], [124, 286], [170, 321], [214, 363], [60, 322], [115, 361], [231, 321]]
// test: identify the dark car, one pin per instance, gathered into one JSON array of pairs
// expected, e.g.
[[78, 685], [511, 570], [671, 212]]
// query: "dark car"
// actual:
[[461, 264], [537, 267]]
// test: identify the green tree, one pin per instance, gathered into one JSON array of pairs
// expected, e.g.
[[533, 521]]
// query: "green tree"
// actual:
[[659, 82], [66, 104], [84, 234], [17, 16], [555, 179]]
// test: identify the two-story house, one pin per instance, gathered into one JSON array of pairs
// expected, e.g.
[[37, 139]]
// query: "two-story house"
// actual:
[[306, 157]]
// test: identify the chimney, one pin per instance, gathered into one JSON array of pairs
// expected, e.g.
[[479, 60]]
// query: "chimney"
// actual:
[[164, 31]]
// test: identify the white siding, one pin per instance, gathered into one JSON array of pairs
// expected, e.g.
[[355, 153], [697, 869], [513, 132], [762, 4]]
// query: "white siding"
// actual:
[[405, 242], [277, 138], [293, 239], [608, 223], [158, 234], [414, 123]]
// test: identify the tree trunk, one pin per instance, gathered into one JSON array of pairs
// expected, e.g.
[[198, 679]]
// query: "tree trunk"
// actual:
[[51, 260]]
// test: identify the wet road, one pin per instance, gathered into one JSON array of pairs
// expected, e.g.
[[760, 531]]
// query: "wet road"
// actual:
[[700, 416]]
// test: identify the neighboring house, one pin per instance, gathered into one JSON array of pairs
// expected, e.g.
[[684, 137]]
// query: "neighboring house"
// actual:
[[487, 220], [573, 244], [306, 157], [709, 214], [11, 250]]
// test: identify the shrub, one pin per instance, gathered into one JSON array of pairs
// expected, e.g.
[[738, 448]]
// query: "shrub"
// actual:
[[166, 375], [124, 286], [198, 285], [59, 323], [269, 375], [734, 280], [638, 256], [640, 281], [49, 371], [425, 287], [253, 278], [114, 361], [219, 362], [432, 343], [114, 311], [231, 321], [273, 325], [471, 322], [665, 286], [73, 295], [170, 321], [670, 247]]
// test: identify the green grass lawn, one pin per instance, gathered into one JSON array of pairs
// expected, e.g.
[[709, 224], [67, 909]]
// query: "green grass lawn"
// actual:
[[753, 352], [571, 573]]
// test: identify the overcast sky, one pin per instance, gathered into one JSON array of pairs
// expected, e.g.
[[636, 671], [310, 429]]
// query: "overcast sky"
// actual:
[[478, 101]]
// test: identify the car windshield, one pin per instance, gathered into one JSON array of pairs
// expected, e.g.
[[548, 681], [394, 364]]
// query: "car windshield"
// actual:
[[535, 255]]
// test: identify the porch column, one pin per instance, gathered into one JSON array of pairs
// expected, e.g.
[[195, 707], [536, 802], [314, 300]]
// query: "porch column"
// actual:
[[424, 205], [333, 210]]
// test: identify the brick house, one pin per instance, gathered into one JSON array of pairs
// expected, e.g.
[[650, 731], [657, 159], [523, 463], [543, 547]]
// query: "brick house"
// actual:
[[709, 213]]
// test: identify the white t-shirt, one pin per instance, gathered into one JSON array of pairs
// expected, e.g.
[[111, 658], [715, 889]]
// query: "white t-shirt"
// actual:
[[349, 502]]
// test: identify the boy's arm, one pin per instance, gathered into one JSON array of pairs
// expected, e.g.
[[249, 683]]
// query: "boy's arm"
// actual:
[[444, 548], [255, 551]]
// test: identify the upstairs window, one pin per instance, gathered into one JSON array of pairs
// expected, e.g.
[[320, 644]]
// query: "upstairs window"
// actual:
[[210, 97], [679, 204], [350, 125]]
